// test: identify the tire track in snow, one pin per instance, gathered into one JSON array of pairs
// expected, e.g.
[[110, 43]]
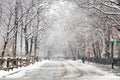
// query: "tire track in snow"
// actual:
[[55, 72], [78, 71], [64, 71], [72, 73], [59, 72]]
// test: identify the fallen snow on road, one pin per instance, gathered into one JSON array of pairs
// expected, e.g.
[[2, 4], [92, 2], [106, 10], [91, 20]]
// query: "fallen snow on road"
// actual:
[[59, 70], [19, 72]]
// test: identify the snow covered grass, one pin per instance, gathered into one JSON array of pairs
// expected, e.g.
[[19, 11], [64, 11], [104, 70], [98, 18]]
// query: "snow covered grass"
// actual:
[[21, 71]]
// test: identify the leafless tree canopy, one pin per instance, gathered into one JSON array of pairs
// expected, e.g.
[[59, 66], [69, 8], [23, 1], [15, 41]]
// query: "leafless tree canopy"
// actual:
[[52, 27]]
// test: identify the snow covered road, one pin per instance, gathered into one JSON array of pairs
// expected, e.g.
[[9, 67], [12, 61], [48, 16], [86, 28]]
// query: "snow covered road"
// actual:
[[62, 70]]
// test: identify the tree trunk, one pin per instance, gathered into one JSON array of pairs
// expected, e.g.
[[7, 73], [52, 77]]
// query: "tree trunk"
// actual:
[[35, 46], [99, 52], [26, 41], [16, 26], [5, 45], [26, 46], [94, 50], [31, 45], [21, 43]]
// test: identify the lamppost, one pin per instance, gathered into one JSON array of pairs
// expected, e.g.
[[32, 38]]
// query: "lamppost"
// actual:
[[83, 57], [84, 51], [48, 55], [111, 40], [48, 52], [112, 49], [112, 56]]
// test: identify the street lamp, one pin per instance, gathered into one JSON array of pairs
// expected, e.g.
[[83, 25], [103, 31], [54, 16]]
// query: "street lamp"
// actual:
[[48, 52], [112, 47], [112, 50], [84, 51], [83, 57]]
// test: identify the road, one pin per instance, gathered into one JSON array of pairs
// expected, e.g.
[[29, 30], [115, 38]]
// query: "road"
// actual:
[[66, 70]]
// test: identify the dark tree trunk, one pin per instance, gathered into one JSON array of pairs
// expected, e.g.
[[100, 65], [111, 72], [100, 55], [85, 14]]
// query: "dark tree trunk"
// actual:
[[98, 47], [26, 46], [35, 46], [94, 51], [5, 45], [16, 26], [31, 45], [26, 41]]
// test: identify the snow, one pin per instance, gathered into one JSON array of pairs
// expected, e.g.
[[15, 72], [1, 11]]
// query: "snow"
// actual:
[[64, 70], [21, 71], [89, 67]]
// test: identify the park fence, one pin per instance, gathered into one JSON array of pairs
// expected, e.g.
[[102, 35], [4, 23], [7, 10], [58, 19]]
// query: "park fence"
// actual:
[[116, 61], [7, 63]]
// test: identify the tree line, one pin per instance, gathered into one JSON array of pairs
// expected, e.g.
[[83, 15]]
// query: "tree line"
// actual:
[[21, 23]]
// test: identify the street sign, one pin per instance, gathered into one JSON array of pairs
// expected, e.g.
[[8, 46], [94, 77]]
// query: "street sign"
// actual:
[[118, 42]]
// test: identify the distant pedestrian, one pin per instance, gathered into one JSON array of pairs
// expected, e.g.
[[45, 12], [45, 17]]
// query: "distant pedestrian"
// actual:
[[83, 59]]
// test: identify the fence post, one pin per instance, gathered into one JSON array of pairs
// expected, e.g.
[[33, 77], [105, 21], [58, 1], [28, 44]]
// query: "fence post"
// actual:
[[7, 65]]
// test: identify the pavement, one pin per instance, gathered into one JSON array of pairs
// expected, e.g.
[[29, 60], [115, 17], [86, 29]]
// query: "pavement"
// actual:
[[107, 68]]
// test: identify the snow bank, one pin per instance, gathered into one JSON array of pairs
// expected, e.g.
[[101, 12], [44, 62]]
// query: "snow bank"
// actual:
[[21, 71]]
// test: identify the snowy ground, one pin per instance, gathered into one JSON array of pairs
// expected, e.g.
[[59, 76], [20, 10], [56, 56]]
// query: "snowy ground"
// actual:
[[59, 70]]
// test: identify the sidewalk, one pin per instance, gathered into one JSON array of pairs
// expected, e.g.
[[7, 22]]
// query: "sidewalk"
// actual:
[[116, 69], [107, 68]]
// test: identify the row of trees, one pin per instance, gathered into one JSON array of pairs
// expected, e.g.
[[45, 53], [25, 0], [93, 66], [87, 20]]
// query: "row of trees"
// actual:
[[94, 25], [88, 24], [104, 29], [21, 23]]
